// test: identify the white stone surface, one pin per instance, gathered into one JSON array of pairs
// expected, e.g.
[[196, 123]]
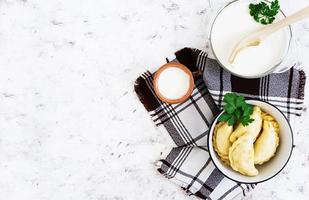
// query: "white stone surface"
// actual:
[[71, 126]]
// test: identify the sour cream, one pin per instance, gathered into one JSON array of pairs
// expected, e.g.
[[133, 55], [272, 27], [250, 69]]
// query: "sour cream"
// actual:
[[173, 83], [235, 22]]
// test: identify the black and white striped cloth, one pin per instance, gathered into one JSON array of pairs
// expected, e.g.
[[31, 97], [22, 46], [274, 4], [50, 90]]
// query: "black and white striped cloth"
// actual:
[[189, 164], [285, 90]]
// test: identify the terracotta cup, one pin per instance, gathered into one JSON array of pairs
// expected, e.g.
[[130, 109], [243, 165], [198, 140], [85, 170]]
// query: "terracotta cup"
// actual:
[[184, 69]]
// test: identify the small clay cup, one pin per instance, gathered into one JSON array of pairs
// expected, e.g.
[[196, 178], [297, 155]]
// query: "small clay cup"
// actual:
[[183, 68]]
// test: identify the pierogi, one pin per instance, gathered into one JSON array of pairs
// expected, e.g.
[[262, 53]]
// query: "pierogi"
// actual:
[[221, 140], [242, 147], [252, 129], [266, 145], [241, 156]]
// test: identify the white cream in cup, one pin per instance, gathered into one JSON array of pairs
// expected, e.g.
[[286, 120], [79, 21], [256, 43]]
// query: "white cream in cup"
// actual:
[[173, 83]]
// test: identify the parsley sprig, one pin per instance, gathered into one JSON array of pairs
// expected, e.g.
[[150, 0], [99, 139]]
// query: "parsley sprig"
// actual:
[[264, 13], [236, 110]]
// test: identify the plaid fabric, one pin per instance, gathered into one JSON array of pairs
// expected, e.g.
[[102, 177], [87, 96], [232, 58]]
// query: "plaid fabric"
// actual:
[[285, 90], [189, 164]]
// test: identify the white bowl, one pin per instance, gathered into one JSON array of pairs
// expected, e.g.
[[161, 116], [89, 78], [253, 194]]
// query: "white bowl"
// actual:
[[275, 164], [276, 68]]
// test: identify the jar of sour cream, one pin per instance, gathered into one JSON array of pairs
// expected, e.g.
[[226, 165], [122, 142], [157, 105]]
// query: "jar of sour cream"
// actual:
[[232, 23]]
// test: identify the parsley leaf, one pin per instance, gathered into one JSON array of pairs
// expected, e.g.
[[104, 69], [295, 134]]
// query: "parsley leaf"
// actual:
[[264, 13], [225, 117], [236, 110]]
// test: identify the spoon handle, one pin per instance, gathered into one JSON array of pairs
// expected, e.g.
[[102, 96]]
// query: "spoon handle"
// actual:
[[300, 15]]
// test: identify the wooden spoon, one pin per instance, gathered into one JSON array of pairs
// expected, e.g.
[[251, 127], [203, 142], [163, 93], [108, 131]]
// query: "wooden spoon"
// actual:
[[255, 38]]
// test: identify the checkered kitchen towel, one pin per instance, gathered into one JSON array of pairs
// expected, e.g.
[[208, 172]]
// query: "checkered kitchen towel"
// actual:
[[189, 164]]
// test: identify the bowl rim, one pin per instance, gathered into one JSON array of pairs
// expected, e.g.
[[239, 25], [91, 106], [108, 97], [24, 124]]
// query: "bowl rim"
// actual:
[[253, 182]]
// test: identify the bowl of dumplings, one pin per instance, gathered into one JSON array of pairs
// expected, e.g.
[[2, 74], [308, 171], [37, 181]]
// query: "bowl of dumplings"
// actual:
[[253, 153]]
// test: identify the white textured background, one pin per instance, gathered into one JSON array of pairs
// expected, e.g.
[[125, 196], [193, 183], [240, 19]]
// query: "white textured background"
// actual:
[[71, 126]]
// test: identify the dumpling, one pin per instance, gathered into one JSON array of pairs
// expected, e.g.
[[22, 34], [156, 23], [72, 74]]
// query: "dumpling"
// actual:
[[241, 156], [252, 129], [266, 144], [221, 141]]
